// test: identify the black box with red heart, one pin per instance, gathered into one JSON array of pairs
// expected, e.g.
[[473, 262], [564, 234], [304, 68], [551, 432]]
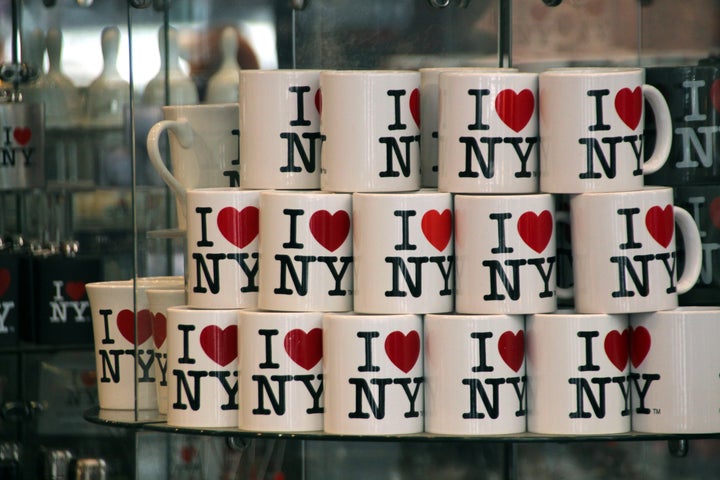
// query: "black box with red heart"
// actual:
[[61, 307]]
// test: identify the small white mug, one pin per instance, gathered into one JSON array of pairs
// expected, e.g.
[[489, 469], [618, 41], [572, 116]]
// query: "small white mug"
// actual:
[[204, 149], [222, 247], [306, 251], [280, 138], [577, 373], [403, 247], [281, 379], [674, 364], [122, 330], [373, 371], [202, 364], [592, 129], [624, 251], [475, 374], [506, 254], [370, 123], [429, 78], [488, 132]]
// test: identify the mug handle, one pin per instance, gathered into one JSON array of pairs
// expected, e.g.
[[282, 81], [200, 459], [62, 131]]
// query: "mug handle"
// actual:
[[693, 249], [564, 293], [663, 125], [184, 134]]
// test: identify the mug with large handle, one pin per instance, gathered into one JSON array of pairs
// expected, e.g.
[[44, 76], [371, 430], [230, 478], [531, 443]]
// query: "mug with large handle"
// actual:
[[204, 149]]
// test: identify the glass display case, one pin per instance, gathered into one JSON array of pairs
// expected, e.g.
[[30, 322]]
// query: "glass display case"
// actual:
[[103, 70]]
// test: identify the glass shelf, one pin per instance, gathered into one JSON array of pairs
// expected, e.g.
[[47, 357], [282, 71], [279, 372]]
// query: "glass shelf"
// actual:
[[149, 420]]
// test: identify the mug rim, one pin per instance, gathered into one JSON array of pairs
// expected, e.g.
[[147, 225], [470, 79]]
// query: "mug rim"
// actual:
[[587, 71], [488, 73], [646, 188]]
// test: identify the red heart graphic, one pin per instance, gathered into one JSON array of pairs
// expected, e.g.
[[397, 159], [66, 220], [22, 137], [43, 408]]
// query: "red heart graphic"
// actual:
[[403, 350], [22, 135], [628, 105], [437, 228], [159, 329], [239, 227], [126, 324], [515, 109], [512, 348], [305, 349], [75, 290], [415, 106], [536, 230], [4, 280], [661, 224], [715, 94], [715, 212], [220, 345], [617, 346], [640, 345], [318, 101], [330, 230]]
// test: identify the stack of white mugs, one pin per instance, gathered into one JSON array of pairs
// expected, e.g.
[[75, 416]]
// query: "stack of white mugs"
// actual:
[[342, 278]]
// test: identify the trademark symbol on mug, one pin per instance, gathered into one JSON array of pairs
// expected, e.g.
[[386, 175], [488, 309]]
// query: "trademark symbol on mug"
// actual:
[[656, 411]]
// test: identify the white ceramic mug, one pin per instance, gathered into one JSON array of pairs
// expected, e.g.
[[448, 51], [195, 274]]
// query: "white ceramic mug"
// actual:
[[373, 371], [624, 251], [222, 247], [403, 247], [202, 365], [674, 367], [281, 379], [280, 137], [159, 300], [429, 78], [371, 127], [306, 251], [577, 373], [505, 254], [204, 149], [122, 324], [475, 374], [591, 129], [488, 132]]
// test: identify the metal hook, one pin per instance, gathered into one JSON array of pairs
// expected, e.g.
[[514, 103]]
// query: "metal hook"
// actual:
[[439, 3], [678, 448]]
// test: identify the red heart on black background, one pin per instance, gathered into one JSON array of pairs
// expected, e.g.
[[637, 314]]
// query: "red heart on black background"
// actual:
[[75, 290], [4, 280]]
